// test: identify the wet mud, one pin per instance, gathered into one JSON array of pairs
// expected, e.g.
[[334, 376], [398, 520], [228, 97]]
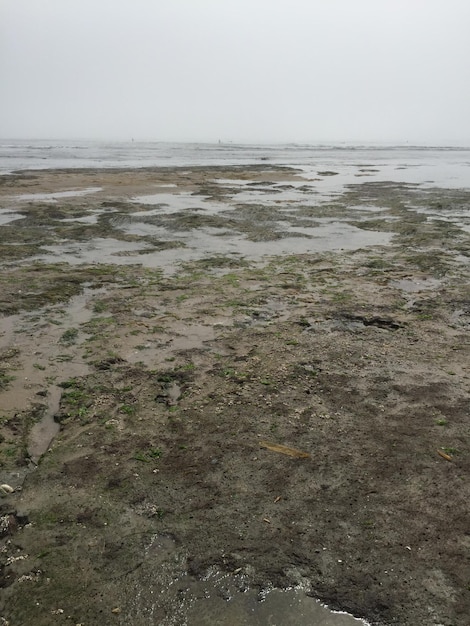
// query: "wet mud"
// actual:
[[233, 391]]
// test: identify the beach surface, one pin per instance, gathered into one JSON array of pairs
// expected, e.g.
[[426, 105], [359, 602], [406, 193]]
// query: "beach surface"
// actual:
[[218, 383]]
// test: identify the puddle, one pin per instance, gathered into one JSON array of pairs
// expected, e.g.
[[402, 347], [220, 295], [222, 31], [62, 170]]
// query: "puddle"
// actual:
[[219, 598], [369, 208], [141, 229], [193, 337], [188, 337], [329, 237], [461, 317], [458, 217], [414, 285], [55, 195], [97, 250], [174, 393], [91, 218], [333, 236], [7, 329], [7, 216], [226, 182], [43, 432], [86, 219], [291, 607], [174, 202], [40, 361], [272, 196]]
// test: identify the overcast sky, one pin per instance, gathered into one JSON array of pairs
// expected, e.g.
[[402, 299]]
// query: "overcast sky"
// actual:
[[236, 70]]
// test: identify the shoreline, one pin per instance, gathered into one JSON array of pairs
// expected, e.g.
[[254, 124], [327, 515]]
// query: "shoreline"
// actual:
[[170, 383]]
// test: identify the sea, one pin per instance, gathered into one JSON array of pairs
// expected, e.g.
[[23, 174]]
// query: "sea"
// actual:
[[443, 166]]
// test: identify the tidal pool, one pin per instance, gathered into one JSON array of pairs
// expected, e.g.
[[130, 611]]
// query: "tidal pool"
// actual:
[[278, 607], [56, 195]]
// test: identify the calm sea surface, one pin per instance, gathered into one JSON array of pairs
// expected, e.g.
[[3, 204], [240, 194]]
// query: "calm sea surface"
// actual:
[[436, 166]]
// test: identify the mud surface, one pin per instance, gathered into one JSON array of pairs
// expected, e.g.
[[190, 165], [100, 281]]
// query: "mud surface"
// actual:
[[164, 331]]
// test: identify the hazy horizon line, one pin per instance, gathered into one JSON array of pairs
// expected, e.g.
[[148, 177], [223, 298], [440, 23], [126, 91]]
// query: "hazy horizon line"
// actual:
[[212, 142]]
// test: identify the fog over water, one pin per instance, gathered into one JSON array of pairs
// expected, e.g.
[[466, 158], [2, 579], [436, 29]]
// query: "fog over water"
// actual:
[[265, 71]]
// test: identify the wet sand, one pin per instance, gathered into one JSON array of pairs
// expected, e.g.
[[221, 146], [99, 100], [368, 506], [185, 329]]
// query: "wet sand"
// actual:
[[159, 326]]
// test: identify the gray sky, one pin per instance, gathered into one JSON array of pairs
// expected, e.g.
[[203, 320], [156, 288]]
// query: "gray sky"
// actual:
[[236, 70]]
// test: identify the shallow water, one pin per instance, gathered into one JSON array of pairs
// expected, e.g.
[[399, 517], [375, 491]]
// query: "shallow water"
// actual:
[[415, 285], [7, 216], [57, 195], [209, 241], [222, 598], [43, 432], [155, 353], [37, 337], [439, 166], [279, 607], [174, 202]]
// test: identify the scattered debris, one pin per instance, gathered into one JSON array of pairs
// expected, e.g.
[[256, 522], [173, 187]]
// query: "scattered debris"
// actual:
[[445, 456], [276, 447], [14, 559]]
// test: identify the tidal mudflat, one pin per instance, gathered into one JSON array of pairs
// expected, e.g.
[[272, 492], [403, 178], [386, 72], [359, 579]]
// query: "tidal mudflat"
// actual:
[[226, 382]]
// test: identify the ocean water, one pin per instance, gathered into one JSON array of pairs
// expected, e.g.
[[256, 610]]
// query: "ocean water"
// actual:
[[437, 166]]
